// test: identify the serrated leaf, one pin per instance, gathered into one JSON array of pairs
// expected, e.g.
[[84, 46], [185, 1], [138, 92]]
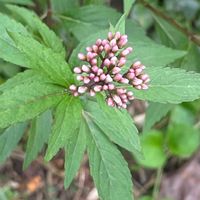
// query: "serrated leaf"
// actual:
[[74, 152], [38, 136], [8, 49], [44, 59], [107, 166], [155, 112], [38, 28], [124, 133], [87, 20], [10, 138], [25, 102], [179, 86], [153, 150], [182, 139], [24, 78], [67, 121]]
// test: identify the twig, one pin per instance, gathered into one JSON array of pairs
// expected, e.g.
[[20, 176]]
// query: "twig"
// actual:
[[192, 36], [157, 184]]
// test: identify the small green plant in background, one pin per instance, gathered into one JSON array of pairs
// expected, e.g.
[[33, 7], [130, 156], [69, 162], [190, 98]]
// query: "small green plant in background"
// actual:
[[62, 115]]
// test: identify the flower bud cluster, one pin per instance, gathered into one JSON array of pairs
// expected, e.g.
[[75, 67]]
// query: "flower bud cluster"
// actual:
[[102, 70]]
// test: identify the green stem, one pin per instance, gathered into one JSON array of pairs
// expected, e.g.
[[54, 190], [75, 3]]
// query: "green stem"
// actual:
[[157, 184]]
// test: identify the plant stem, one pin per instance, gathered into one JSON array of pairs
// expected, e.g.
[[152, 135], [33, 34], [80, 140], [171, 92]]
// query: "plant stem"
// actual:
[[157, 184], [192, 36]]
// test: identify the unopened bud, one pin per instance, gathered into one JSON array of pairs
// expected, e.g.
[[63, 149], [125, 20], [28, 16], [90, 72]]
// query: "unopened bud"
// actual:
[[81, 56], [82, 89], [77, 70]]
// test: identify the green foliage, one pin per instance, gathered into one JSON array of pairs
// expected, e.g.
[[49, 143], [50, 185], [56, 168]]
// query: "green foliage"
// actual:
[[155, 112], [179, 86], [74, 151], [38, 136], [67, 121], [182, 139], [127, 5], [20, 2], [153, 149], [10, 138], [108, 168]]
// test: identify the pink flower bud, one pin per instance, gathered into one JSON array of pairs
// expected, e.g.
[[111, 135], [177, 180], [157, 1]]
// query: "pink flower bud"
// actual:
[[86, 80], [95, 69], [105, 87], [117, 77], [98, 42], [75, 94], [88, 49], [125, 52], [85, 68], [91, 75], [144, 77], [79, 78], [122, 43], [95, 48], [72, 87], [113, 42], [124, 37], [77, 70], [89, 56], [130, 94], [123, 96], [101, 48], [115, 48], [93, 61], [92, 93], [97, 88], [117, 99], [137, 81], [130, 98], [117, 35], [104, 42], [96, 79], [102, 77], [120, 91], [116, 70], [110, 102], [136, 65], [111, 86], [81, 56], [107, 48], [106, 62], [124, 106], [138, 71], [130, 76], [130, 49], [110, 55], [110, 35], [124, 80], [82, 89], [122, 61], [145, 87], [108, 79], [139, 87], [99, 72], [113, 60]]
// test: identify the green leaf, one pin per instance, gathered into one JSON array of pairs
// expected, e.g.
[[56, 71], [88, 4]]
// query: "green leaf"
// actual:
[[38, 136], [44, 59], [21, 2], [63, 6], [67, 121], [8, 49], [153, 150], [87, 20], [124, 133], [182, 139], [127, 5], [107, 166], [169, 35], [179, 86], [74, 152], [25, 102], [10, 138], [24, 78], [120, 26], [155, 112], [38, 28], [181, 115]]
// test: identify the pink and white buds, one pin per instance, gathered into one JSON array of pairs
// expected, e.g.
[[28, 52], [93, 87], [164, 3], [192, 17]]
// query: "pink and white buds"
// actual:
[[103, 71]]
